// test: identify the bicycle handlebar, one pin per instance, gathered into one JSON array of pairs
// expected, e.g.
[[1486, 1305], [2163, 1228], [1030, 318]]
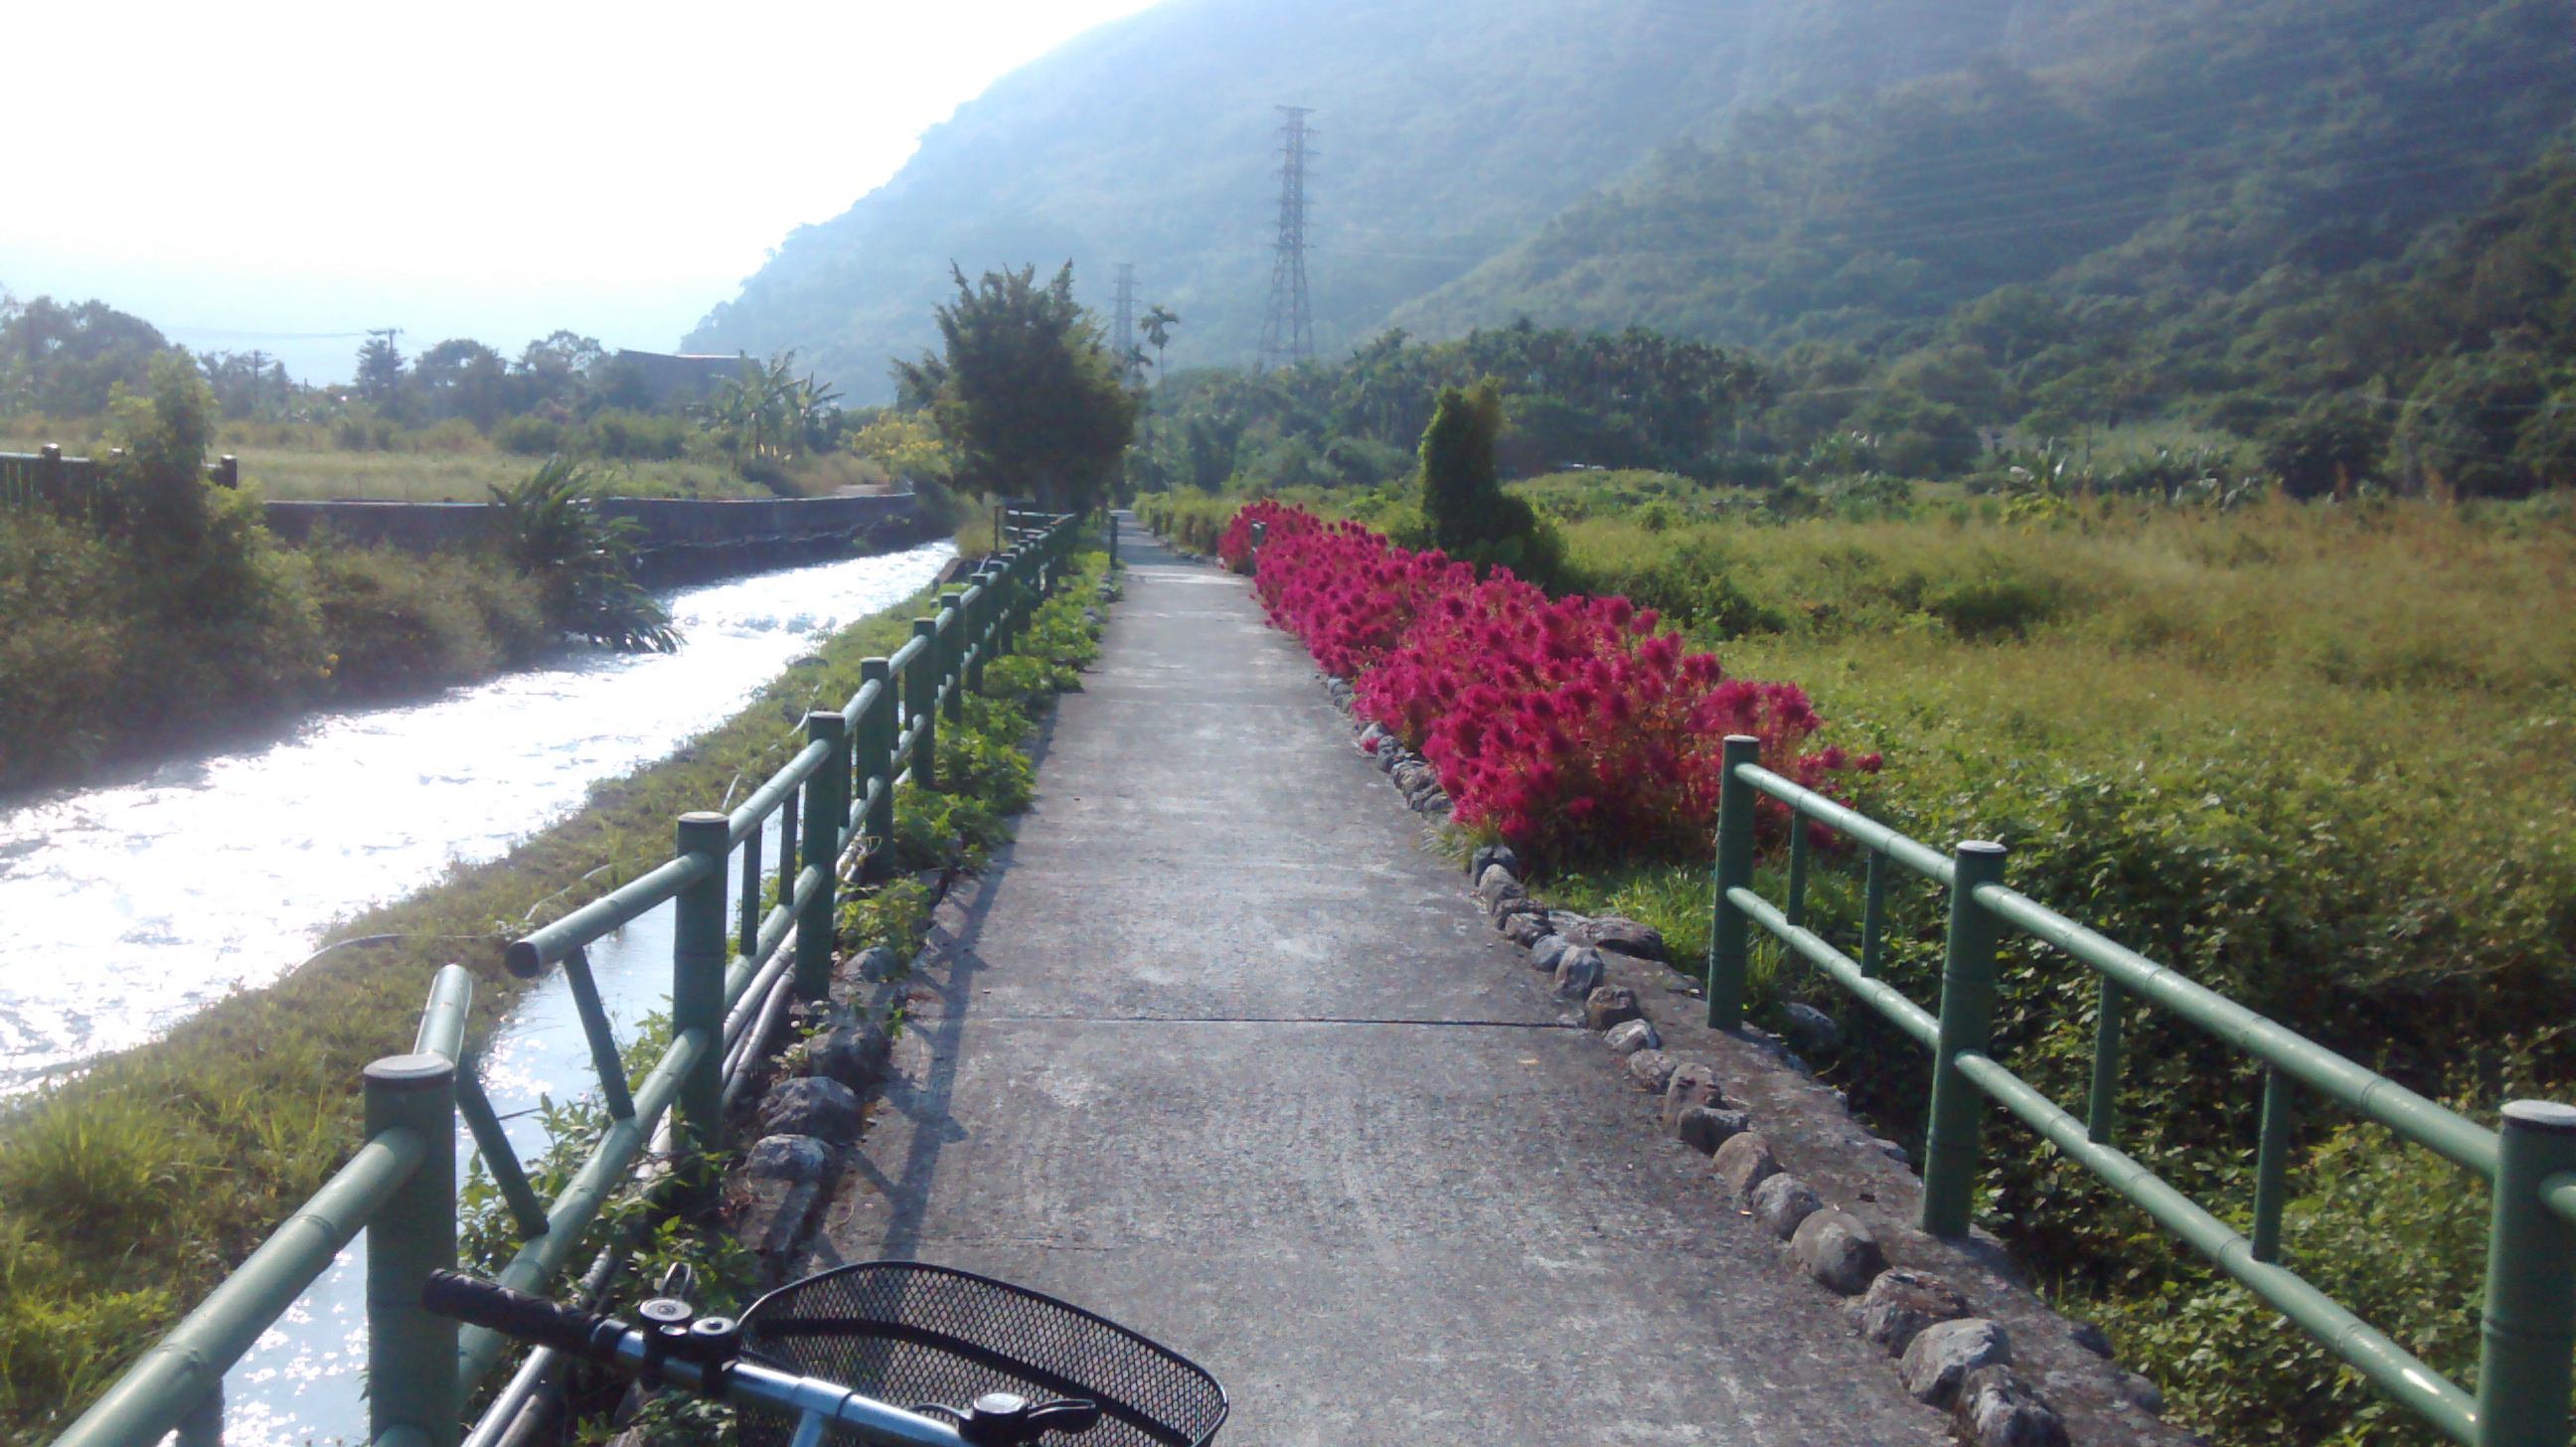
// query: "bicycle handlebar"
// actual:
[[711, 1371], [568, 1329]]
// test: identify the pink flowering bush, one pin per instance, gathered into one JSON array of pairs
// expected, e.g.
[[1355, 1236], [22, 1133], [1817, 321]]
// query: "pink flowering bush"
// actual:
[[1569, 726], [1278, 522]]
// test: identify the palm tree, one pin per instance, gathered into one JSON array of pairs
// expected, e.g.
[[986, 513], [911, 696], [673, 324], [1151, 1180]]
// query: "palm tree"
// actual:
[[1157, 324]]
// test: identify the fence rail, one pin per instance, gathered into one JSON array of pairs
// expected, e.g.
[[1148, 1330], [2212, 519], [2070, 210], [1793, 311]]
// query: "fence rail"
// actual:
[[2529, 1326], [835, 805]]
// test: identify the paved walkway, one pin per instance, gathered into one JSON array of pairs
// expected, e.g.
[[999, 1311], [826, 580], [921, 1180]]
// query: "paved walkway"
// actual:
[[1222, 1053]]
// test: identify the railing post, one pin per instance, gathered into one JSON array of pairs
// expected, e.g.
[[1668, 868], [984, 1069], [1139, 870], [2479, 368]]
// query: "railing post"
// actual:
[[204, 1424], [952, 655], [2530, 1318], [747, 931], [1873, 917], [1796, 908], [412, 1392], [1967, 1016], [697, 981], [825, 810], [877, 730], [2102, 1108], [2272, 1165], [921, 701], [982, 626], [1113, 542], [1729, 929]]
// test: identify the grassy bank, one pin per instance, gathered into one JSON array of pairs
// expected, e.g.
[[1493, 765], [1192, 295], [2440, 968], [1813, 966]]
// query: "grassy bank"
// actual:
[[125, 1194], [2315, 756]]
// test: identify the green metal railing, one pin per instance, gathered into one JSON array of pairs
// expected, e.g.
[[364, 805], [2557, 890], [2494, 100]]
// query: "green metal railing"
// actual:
[[2529, 1325], [834, 802]]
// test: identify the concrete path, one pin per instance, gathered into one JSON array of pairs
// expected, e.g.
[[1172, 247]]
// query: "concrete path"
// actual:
[[1221, 1052]]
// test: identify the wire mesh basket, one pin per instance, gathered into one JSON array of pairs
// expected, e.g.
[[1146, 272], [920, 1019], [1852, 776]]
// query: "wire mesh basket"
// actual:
[[925, 1336]]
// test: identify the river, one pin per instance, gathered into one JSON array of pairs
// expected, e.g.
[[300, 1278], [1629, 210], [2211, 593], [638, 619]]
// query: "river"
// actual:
[[131, 906]]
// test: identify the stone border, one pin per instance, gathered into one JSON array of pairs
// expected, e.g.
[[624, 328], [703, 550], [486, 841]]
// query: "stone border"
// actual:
[[1964, 1331], [819, 1093]]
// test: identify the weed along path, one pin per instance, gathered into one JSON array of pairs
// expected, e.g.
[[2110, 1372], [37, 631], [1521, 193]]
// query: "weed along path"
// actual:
[[1218, 1050]]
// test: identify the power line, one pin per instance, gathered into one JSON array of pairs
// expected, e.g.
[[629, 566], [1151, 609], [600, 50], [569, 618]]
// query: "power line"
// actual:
[[1288, 331]]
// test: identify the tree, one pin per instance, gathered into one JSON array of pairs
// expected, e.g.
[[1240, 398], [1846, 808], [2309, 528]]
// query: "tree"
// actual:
[[68, 360], [1028, 394], [463, 378], [380, 366], [1471, 517], [1157, 324], [2333, 443]]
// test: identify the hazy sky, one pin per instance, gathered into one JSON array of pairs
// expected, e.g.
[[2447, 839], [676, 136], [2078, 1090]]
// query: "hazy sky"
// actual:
[[271, 174]]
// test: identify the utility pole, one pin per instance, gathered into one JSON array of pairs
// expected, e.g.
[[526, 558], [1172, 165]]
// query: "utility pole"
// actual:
[[1122, 335], [1288, 332]]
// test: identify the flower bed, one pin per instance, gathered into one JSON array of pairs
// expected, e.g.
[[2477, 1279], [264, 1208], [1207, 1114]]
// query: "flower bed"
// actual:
[[1569, 727]]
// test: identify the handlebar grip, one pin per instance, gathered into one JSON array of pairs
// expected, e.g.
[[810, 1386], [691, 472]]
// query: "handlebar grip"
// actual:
[[567, 1329]]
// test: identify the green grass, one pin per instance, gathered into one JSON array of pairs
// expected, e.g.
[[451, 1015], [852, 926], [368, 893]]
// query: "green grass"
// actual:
[[2319, 759]]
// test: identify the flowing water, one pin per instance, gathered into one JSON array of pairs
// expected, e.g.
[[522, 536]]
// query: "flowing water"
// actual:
[[133, 905]]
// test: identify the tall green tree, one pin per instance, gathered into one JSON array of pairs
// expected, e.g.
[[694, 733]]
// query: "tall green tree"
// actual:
[[1028, 394], [1471, 517]]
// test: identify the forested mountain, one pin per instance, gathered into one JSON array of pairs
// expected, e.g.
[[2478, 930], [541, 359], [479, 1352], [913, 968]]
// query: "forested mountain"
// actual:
[[2163, 203], [1448, 131]]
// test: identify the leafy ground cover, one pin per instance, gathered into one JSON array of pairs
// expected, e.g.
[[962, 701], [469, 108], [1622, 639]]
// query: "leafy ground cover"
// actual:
[[126, 1193], [2315, 756]]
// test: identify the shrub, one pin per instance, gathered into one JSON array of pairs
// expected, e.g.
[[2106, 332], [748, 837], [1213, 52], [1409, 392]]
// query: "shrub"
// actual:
[[529, 435], [1570, 727]]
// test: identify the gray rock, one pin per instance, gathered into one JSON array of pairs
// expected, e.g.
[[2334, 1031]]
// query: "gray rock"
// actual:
[[1839, 1251], [2143, 1393], [813, 1105], [782, 1181], [1578, 973], [877, 962], [1649, 1069], [1694, 1083], [1610, 1005], [1999, 1409], [1415, 777], [1705, 1128], [1893, 1151], [1811, 1029], [1489, 855], [1434, 802], [1496, 886], [2090, 1337], [1524, 927], [1516, 904], [795, 1159], [1627, 936], [1632, 1037], [1902, 1302], [1744, 1162], [853, 1053], [1784, 1203], [1374, 737], [1549, 949], [1943, 1354]]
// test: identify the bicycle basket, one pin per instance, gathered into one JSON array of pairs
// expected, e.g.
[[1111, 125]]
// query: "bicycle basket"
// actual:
[[915, 1335]]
